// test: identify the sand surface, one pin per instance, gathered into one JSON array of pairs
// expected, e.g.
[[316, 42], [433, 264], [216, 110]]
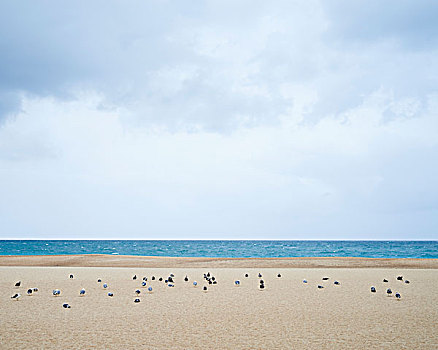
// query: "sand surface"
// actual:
[[286, 315], [101, 260]]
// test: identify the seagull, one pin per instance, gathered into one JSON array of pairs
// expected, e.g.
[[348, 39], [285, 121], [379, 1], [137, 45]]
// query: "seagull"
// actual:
[[373, 289], [110, 294], [137, 300], [29, 291], [336, 282], [304, 281], [82, 292], [389, 292], [195, 283], [279, 275], [137, 291], [71, 276], [56, 292], [105, 285], [320, 287], [237, 283], [16, 296], [18, 284], [135, 277], [150, 289], [66, 306], [186, 278], [398, 296], [399, 278]]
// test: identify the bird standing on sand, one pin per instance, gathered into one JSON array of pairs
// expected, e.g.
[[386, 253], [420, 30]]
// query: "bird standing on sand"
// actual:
[[399, 278], [304, 281], [398, 296], [18, 284], [105, 285], [56, 292], [29, 291], [186, 279], [137, 300], [82, 292], [407, 282], [110, 294], [195, 283], [373, 289], [16, 296], [143, 284], [237, 283], [279, 275], [205, 289], [99, 280], [66, 306], [389, 292], [246, 275], [153, 278], [150, 289], [385, 280], [71, 276], [260, 275], [320, 287], [35, 289], [134, 277], [336, 282], [325, 278], [137, 291]]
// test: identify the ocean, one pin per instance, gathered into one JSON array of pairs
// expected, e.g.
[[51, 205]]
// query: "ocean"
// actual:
[[225, 249]]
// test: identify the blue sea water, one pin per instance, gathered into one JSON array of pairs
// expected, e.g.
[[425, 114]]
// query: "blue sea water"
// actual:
[[225, 249]]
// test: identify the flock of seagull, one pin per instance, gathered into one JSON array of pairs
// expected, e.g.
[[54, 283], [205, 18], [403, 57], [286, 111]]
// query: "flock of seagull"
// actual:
[[209, 279]]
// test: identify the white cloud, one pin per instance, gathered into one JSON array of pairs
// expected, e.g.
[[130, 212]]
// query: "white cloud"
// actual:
[[78, 163], [295, 120]]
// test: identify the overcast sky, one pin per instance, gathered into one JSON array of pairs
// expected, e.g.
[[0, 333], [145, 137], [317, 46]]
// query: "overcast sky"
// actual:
[[219, 119]]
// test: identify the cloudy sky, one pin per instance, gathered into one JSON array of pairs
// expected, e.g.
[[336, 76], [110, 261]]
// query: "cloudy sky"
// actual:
[[219, 119]]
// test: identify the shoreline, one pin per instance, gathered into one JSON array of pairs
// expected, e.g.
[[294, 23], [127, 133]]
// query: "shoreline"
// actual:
[[103, 260]]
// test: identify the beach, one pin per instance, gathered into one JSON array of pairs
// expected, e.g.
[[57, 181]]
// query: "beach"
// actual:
[[287, 314]]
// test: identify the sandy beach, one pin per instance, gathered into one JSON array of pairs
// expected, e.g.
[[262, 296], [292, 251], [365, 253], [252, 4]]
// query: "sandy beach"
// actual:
[[288, 314]]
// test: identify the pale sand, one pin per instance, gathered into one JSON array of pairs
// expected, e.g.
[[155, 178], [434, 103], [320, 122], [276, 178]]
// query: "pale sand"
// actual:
[[288, 314]]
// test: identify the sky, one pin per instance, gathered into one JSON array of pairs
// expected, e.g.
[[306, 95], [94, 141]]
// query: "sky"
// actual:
[[219, 119]]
